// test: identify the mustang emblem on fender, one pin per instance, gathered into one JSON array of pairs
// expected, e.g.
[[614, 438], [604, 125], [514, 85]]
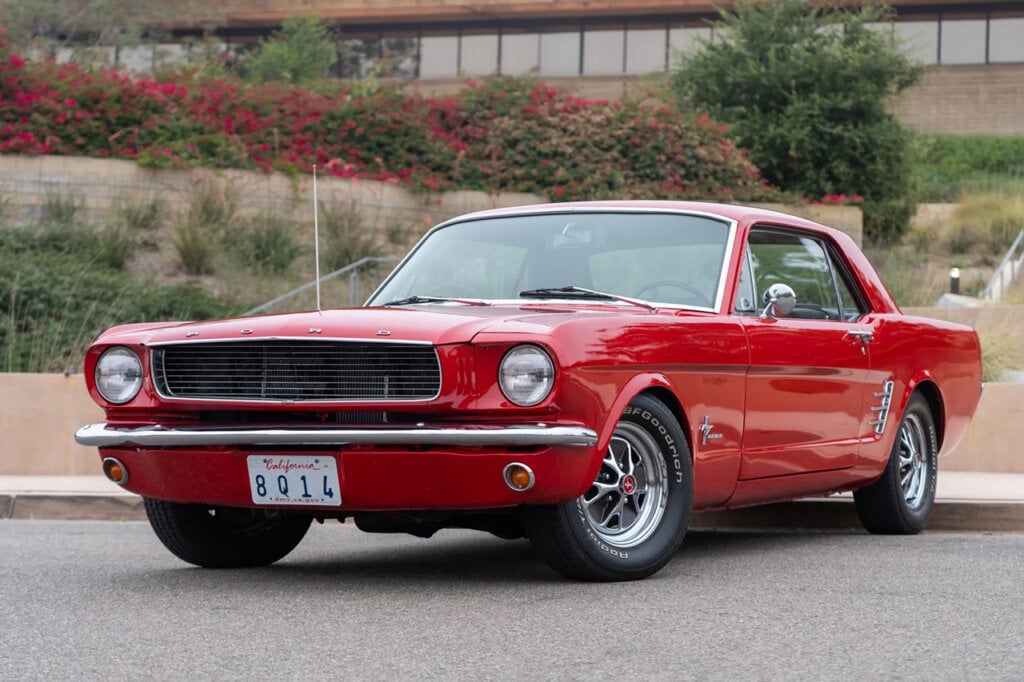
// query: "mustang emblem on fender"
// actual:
[[705, 431]]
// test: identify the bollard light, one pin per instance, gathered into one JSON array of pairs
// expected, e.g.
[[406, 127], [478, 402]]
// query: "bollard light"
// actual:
[[954, 280]]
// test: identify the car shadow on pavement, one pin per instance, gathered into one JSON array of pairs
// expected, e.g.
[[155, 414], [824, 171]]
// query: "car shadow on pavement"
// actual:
[[357, 560]]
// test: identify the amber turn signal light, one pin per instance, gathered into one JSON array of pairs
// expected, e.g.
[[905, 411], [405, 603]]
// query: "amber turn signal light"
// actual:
[[518, 476], [115, 470]]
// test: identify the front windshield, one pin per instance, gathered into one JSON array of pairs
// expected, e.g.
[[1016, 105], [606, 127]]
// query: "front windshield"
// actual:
[[665, 258]]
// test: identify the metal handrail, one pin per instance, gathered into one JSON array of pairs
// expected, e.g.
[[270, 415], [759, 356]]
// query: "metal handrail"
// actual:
[[1010, 267], [352, 270]]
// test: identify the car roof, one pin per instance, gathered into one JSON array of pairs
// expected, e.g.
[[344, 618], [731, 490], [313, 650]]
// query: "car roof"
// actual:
[[736, 212]]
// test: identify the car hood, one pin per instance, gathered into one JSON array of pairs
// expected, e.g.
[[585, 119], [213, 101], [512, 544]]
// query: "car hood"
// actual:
[[438, 324]]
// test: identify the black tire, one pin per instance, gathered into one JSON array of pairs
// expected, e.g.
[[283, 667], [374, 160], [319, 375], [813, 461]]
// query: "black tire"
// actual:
[[900, 502], [224, 537], [587, 539]]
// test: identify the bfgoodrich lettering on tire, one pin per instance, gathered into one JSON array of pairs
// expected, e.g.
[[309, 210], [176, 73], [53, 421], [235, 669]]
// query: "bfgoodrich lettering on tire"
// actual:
[[900, 502], [633, 518]]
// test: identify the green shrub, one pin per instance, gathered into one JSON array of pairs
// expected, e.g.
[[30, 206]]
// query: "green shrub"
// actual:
[[62, 227], [947, 166], [520, 135], [61, 212], [265, 244], [206, 223], [195, 247], [804, 88], [344, 237], [52, 305], [299, 53], [989, 222], [140, 215], [114, 245]]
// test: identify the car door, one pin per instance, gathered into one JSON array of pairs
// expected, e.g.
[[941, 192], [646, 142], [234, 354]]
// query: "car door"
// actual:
[[806, 383]]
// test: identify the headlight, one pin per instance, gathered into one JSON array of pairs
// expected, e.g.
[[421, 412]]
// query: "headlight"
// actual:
[[118, 375], [526, 375]]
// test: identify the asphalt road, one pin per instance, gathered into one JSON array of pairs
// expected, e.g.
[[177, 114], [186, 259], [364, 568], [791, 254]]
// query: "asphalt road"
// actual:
[[92, 600]]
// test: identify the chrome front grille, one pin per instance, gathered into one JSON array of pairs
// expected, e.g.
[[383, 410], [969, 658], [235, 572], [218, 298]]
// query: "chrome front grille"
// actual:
[[314, 371]]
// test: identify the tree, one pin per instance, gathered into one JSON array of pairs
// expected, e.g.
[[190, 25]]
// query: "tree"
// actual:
[[803, 88], [300, 53]]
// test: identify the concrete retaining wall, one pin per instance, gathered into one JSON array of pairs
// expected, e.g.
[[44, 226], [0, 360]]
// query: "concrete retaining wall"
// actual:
[[40, 412], [26, 181]]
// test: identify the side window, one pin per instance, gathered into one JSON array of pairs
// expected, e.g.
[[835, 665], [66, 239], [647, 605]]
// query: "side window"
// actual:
[[746, 299], [852, 310], [805, 264]]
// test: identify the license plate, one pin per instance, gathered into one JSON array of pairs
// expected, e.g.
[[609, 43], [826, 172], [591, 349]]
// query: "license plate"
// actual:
[[294, 480]]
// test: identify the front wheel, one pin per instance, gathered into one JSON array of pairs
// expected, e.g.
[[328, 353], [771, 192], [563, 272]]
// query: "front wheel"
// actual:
[[632, 519], [225, 537], [900, 502]]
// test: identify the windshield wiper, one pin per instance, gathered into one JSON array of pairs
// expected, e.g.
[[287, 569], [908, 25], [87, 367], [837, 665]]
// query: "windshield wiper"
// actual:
[[413, 300], [580, 292]]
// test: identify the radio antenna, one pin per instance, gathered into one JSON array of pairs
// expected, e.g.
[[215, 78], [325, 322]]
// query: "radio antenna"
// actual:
[[316, 240]]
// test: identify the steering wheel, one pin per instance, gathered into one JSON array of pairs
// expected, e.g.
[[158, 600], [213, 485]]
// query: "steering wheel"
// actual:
[[688, 288]]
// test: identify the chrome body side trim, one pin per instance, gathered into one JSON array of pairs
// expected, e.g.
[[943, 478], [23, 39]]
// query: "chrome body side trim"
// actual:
[[882, 410], [105, 435]]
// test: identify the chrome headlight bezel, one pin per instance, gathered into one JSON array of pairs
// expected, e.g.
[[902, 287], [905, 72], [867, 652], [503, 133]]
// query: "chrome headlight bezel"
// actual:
[[526, 375], [118, 375]]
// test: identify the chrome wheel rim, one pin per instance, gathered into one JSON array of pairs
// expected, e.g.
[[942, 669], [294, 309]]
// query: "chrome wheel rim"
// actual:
[[626, 501], [914, 461]]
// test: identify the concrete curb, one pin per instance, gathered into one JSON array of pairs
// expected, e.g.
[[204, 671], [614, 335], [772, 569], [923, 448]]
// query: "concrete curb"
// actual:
[[72, 507], [840, 515], [833, 515]]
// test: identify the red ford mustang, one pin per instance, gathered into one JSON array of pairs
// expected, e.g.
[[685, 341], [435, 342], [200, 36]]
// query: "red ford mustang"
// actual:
[[583, 374]]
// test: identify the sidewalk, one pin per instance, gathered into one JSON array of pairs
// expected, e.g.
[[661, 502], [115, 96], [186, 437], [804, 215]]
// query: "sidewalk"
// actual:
[[965, 501]]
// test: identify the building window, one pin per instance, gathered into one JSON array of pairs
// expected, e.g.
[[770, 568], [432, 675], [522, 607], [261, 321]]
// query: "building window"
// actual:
[[479, 55], [560, 54], [963, 41], [519, 53], [685, 39], [920, 40], [439, 56], [645, 50], [603, 51], [1006, 40]]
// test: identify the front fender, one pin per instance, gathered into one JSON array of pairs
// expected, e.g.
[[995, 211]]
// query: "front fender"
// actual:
[[634, 387]]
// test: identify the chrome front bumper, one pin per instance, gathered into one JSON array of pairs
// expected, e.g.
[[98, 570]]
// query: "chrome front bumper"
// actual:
[[104, 435]]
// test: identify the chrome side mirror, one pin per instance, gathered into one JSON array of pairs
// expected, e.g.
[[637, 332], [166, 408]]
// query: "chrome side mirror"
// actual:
[[779, 301]]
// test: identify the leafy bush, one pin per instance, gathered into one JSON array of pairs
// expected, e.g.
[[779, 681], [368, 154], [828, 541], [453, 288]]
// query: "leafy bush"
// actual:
[[986, 222], [345, 236], [299, 53], [804, 89], [520, 135], [513, 135], [265, 243], [139, 215], [62, 227], [195, 246], [114, 246], [52, 305]]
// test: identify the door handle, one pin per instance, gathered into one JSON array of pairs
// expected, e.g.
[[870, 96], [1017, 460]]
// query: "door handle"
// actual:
[[864, 335]]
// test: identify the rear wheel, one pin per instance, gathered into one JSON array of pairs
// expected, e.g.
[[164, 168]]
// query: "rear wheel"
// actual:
[[632, 519], [225, 537], [900, 502]]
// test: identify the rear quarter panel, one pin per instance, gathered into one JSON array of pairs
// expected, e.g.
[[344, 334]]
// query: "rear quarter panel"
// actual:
[[916, 350]]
